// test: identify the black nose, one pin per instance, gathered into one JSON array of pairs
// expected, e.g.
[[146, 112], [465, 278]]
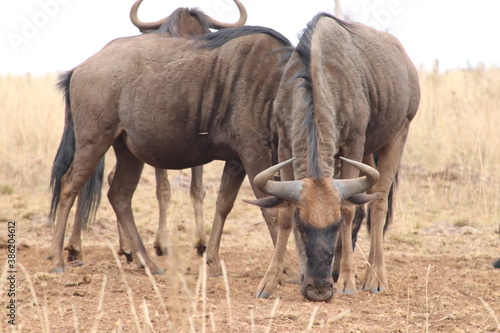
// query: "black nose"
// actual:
[[320, 291]]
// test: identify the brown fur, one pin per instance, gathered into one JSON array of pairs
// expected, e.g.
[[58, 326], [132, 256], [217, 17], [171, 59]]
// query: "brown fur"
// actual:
[[172, 104], [355, 93], [320, 203], [183, 22]]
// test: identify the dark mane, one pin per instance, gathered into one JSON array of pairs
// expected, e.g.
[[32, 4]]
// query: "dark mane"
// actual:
[[309, 126], [172, 24], [221, 37]]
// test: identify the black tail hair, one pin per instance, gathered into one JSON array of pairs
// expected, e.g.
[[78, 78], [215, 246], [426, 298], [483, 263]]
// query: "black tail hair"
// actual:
[[91, 192], [390, 201], [90, 196]]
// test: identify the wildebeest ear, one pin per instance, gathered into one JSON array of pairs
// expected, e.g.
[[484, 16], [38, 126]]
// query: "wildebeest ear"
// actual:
[[267, 202], [363, 198]]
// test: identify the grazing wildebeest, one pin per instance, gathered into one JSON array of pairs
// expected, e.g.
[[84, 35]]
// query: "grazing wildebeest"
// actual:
[[355, 93], [173, 103], [183, 22]]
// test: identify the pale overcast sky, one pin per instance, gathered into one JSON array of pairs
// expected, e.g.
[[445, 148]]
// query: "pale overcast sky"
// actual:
[[43, 36]]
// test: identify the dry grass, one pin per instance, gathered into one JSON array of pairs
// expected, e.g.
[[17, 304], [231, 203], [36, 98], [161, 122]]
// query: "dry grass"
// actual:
[[450, 175], [32, 114], [454, 135], [453, 146]]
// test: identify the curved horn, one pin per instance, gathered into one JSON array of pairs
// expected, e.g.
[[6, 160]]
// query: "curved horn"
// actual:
[[143, 26], [214, 24], [349, 187], [288, 190]]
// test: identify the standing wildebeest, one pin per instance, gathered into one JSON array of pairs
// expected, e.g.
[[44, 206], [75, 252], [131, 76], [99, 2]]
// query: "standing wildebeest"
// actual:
[[355, 94], [173, 103], [183, 22]]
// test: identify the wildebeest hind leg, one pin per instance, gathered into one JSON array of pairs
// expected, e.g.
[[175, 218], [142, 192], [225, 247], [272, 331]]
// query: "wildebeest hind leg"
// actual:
[[232, 178], [127, 176], [197, 195], [125, 247], [389, 158], [163, 194], [84, 163], [74, 246]]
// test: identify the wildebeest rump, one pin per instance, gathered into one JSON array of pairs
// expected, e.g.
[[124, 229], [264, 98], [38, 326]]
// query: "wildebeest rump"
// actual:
[[355, 93], [183, 22], [173, 103]]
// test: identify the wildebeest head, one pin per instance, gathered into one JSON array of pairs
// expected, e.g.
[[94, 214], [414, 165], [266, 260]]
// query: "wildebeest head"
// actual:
[[185, 22], [317, 218]]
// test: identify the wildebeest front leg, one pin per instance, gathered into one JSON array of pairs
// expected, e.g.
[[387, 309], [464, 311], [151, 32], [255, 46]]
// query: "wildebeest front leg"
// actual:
[[163, 195], [232, 178], [346, 279], [127, 176], [280, 260], [269, 282], [197, 196], [356, 225]]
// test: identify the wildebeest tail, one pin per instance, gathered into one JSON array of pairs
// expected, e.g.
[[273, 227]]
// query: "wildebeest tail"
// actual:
[[390, 201], [90, 195]]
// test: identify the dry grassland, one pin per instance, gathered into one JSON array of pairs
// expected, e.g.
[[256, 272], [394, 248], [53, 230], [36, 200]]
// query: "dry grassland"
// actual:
[[438, 251]]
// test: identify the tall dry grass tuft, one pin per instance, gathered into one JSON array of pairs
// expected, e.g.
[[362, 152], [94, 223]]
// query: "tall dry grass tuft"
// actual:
[[458, 116], [453, 144], [32, 113]]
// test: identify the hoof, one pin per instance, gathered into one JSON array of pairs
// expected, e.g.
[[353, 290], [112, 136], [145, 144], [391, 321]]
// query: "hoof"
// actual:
[[128, 256], [263, 294], [158, 272], [58, 270], [350, 291], [376, 290], [76, 263], [200, 249], [347, 291], [295, 280], [159, 252], [496, 264], [373, 290], [74, 256], [214, 270]]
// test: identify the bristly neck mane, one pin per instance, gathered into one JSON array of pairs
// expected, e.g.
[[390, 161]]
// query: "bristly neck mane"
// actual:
[[171, 26], [309, 128]]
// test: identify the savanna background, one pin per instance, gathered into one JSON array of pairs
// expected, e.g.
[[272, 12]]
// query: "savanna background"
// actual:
[[438, 251]]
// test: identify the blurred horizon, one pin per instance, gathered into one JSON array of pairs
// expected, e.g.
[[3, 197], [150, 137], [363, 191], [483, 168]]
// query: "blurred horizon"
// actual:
[[50, 36]]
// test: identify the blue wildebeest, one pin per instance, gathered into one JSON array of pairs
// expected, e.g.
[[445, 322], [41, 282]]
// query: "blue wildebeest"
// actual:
[[173, 103], [183, 22], [355, 93]]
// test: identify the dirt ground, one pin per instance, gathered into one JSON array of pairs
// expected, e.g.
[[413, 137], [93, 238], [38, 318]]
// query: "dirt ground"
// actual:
[[440, 273]]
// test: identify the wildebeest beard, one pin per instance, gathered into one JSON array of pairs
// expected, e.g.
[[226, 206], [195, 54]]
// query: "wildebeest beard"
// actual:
[[319, 247]]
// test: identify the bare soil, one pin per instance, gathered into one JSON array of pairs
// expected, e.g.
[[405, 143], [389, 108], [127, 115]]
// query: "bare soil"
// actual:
[[440, 273]]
